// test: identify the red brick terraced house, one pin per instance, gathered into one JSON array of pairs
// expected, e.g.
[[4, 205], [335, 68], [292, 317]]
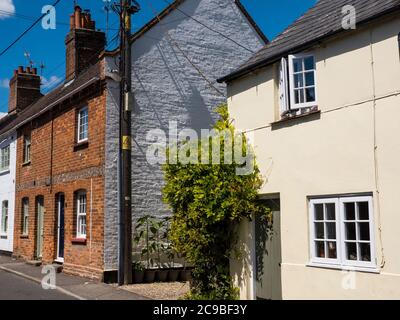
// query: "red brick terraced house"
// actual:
[[60, 158], [66, 203]]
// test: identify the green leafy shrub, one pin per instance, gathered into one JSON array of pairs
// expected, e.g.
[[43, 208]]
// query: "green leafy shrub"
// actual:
[[208, 202]]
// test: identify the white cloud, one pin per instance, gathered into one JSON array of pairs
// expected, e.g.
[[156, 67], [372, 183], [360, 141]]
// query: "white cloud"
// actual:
[[7, 8], [50, 83], [4, 83]]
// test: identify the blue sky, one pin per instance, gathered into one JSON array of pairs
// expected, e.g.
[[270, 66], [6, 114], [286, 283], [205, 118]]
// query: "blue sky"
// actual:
[[47, 46]]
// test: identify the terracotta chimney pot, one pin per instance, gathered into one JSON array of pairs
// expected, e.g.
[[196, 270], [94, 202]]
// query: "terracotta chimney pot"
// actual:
[[78, 18]]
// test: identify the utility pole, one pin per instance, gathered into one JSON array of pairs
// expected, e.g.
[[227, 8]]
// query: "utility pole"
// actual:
[[126, 9]]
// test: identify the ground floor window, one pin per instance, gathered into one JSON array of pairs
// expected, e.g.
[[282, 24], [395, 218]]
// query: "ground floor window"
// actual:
[[342, 231], [4, 217], [25, 216], [81, 215]]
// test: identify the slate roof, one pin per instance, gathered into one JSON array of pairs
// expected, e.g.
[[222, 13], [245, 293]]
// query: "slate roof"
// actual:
[[14, 121], [321, 21]]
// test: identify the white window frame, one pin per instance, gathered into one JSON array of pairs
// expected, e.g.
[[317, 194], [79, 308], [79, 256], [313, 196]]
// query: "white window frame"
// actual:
[[5, 162], [25, 216], [4, 217], [81, 213], [365, 264], [293, 105], [341, 262], [316, 259], [80, 124], [27, 148], [283, 87]]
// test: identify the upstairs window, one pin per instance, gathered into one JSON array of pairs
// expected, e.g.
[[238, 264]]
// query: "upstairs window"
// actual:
[[27, 149], [83, 125], [5, 158], [81, 215], [342, 232], [4, 217], [297, 86]]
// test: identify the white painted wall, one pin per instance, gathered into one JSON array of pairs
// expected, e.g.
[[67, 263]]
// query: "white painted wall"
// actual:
[[7, 192], [167, 87]]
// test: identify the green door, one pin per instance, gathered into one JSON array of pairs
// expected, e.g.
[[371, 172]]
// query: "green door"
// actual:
[[39, 226], [268, 255]]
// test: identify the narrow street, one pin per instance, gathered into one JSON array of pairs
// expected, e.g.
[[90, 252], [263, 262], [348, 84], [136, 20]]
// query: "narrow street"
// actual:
[[13, 287]]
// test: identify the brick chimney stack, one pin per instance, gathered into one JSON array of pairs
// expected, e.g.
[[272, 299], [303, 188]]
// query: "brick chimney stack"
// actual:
[[84, 44], [24, 89]]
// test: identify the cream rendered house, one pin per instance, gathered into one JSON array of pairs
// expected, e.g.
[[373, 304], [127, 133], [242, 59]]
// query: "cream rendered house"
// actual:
[[322, 106]]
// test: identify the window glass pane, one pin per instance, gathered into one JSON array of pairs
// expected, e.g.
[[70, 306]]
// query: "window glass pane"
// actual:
[[350, 231], [363, 229], [319, 212], [320, 249], [349, 211], [351, 251], [310, 79], [297, 65], [365, 252], [299, 96], [363, 211], [296, 96], [298, 80], [25, 212], [330, 211], [82, 225], [331, 230], [83, 124], [309, 63], [319, 230], [310, 95], [4, 220], [332, 251]]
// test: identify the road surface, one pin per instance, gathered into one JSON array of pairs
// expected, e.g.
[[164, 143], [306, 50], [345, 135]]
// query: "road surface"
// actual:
[[13, 287]]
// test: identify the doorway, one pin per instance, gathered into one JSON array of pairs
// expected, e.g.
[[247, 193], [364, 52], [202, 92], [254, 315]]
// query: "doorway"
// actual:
[[39, 226], [268, 255], [60, 227]]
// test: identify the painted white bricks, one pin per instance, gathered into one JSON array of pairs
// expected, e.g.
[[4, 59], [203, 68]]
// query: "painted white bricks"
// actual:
[[7, 192], [168, 88]]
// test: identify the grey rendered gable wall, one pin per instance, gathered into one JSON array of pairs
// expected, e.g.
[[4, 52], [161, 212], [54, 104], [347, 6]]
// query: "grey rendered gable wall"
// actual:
[[168, 88]]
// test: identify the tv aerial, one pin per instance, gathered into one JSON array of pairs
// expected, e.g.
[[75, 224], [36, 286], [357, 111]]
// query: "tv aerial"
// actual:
[[27, 55]]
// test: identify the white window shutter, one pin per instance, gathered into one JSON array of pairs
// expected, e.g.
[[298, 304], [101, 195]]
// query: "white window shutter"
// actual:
[[283, 86]]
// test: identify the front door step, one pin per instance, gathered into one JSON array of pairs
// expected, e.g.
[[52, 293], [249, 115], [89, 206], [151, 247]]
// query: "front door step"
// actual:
[[36, 263], [57, 267]]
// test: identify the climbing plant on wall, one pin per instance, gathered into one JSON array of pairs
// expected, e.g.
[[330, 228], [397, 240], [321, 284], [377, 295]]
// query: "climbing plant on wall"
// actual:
[[209, 201]]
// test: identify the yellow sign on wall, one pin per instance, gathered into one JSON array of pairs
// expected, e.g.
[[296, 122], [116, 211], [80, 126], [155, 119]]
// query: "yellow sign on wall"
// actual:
[[126, 143]]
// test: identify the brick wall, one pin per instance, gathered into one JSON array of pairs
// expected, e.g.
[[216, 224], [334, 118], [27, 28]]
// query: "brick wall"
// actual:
[[59, 165]]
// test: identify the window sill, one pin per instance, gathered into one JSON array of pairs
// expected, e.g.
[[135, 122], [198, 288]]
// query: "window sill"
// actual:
[[3, 237], [24, 236], [343, 268], [81, 145], [4, 171], [79, 241], [25, 164], [294, 117]]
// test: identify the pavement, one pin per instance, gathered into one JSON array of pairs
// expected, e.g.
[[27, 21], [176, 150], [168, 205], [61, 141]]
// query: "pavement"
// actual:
[[20, 281]]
